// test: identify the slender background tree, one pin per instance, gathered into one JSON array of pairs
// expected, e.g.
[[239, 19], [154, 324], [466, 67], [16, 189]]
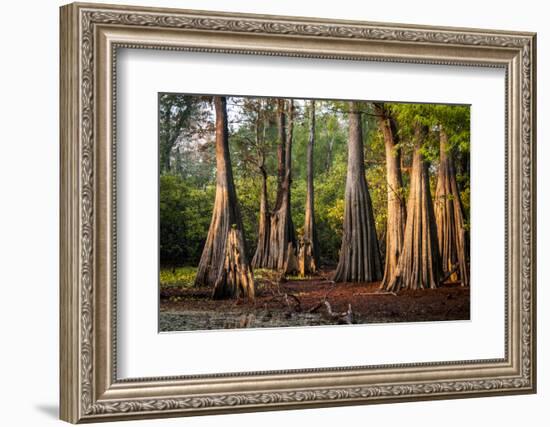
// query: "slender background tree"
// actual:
[[282, 251], [308, 260]]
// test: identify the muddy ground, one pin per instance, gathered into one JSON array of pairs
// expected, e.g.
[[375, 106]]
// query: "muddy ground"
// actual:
[[303, 302]]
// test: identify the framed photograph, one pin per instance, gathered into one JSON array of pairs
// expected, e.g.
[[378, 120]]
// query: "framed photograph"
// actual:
[[267, 212]]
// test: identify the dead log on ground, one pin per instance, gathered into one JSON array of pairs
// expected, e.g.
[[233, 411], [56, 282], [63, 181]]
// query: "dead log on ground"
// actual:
[[345, 317]]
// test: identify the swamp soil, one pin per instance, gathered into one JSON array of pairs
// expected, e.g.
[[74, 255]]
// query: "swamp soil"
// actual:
[[301, 302]]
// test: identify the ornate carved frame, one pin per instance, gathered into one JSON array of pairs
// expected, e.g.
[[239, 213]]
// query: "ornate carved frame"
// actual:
[[90, 36]]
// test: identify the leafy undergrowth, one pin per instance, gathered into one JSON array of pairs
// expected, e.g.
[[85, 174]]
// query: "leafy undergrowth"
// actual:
[[181, 277]]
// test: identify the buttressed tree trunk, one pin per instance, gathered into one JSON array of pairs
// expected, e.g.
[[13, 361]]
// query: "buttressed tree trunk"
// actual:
[[282, 250], [419, 264], [308, 257], [224, 264], [359, 253], [449, 217], [397, 213]]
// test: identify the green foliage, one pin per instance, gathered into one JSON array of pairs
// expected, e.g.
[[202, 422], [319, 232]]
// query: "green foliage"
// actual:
[[185, 213], [175, 110], [182, 277], [329, 207], [455, 120], [248, 193], [376, 179]]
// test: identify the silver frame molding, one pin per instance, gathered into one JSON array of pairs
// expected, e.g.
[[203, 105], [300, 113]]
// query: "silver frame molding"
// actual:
[[90, 37]]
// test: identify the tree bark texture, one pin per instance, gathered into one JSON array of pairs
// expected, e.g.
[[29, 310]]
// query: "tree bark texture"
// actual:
[[359, 254], [397, 213], [282, 250], [261, 256], [450, 218], [308, 256], [224, 264], [419, 265]]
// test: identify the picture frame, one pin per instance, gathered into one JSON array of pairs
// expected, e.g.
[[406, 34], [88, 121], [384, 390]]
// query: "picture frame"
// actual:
[[90, 36]]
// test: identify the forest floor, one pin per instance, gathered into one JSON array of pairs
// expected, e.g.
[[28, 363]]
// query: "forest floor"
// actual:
[[311, 301]]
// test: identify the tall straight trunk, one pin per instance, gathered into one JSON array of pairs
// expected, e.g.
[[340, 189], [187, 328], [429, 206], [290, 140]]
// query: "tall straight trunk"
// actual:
[[328, 161], [167, 143], [397, 213], [282, 249], [419, 264], [281, 150], [224, 264], [308, 258], [450, 218], [261, 256], [330, 147], [359, 253]]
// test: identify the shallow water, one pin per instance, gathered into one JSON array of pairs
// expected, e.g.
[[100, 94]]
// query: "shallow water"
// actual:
[[205, 320]]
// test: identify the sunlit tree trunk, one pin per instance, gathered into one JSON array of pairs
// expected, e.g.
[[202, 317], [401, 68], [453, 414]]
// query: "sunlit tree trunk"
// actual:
[[359, 253], [419, 264], [308, 259], [282, 250], [224, 264], [450, 218], [397, 213]]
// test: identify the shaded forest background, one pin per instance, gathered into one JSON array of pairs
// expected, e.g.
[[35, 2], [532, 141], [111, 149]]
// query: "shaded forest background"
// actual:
[[188, 165]]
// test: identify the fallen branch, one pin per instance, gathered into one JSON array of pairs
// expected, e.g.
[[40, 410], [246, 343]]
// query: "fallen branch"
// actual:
[[325, 298], [345, 317], [315, 307], [298, 307], [283, 298]]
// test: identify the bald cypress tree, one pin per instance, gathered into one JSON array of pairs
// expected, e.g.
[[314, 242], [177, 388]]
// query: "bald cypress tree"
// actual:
[[224, 264], [308, 257], [282, 249], [419, 265], [261, 255], [359, 254], [397, 213], [452, 235]]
